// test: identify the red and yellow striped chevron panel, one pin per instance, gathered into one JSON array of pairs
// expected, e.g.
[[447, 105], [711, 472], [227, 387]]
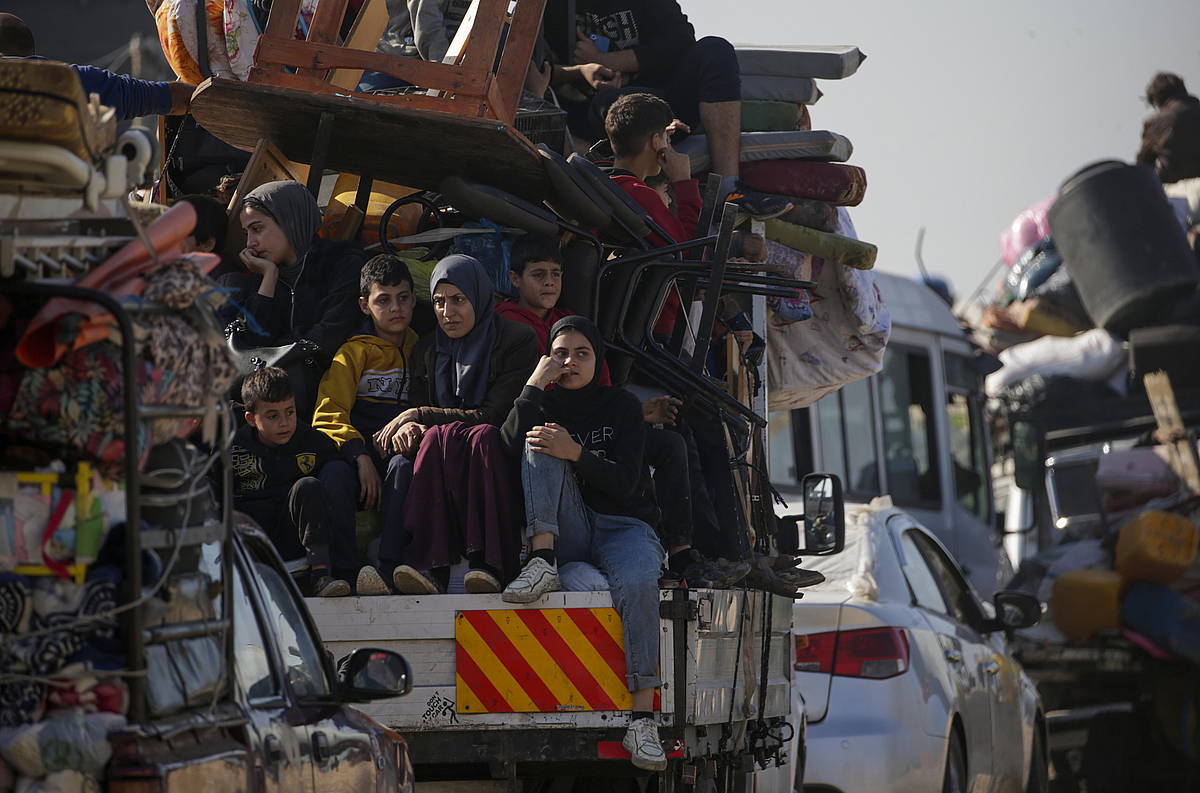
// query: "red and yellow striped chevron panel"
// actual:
[[539, 661]]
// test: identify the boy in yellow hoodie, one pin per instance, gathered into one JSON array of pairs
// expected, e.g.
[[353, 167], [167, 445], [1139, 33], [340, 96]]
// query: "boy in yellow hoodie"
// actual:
[[364, 388]]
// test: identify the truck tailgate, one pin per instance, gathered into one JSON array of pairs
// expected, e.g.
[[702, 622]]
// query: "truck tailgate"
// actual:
[[480, 663]]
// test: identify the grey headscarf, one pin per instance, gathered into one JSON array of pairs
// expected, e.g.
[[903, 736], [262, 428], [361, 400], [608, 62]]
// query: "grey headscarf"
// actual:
[[296, 212], [461, 366]]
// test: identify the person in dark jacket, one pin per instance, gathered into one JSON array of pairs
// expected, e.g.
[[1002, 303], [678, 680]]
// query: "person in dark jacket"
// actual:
[[465, 376], [128, 96], [275, 467], [588, 499], [295, 285], [617, 46], [1171, 137]]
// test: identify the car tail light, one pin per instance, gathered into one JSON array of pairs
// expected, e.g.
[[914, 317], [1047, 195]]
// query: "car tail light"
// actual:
[[875, 653], [814, 652]]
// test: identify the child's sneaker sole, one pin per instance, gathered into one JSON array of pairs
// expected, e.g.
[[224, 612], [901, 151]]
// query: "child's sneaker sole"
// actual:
[[370, 582], [333, 589], [480, 582], [410, 581]]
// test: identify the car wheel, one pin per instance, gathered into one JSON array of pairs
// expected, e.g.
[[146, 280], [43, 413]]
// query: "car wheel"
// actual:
[[1039, 772], [955, 778]]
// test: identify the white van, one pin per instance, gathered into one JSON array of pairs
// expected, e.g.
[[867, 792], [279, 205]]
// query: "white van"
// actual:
[[915, 431]]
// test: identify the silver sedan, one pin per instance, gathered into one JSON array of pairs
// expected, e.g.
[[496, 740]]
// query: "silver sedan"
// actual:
[[907, 681]]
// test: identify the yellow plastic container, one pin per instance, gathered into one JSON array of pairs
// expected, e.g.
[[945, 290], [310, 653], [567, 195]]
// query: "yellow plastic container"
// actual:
[[1086, 601], [1156, 546]]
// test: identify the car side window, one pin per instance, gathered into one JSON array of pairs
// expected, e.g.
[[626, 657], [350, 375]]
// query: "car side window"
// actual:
[[916, 569], [252, 665], [954, 588], [301, 655]]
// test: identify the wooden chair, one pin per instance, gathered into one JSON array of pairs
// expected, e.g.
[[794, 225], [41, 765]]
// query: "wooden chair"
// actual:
[[475, 85]]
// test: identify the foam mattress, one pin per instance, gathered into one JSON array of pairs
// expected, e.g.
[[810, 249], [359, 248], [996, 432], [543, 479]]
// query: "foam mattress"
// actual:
[[841, 185], [820, 62], [780, 88], [800, 144]]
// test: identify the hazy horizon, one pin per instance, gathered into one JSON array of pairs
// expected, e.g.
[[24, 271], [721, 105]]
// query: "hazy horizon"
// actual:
[[963, 117]]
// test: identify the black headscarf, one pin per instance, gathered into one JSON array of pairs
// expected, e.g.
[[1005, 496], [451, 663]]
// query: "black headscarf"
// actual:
[[461, 366], [565, 404]]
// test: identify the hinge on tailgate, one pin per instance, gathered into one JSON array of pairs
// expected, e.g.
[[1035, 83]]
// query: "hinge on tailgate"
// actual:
[[687, 610]]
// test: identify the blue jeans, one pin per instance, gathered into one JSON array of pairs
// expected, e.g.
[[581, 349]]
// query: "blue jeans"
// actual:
[[625, 549]]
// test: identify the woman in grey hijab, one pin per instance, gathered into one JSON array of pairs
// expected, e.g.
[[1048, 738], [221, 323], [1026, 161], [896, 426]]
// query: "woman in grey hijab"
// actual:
[[446, 451]]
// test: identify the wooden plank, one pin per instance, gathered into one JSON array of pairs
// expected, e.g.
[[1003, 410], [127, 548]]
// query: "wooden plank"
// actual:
[[368, 29], [484, 41], [518, 50], [282, 20], [310, 57], [391, 142], [324, 27], [1181, 445], [267, 164], [419, 101]]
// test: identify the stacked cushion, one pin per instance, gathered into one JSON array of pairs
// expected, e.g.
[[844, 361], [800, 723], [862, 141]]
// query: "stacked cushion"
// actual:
[[823, 63], [834, 183], [757, 146]]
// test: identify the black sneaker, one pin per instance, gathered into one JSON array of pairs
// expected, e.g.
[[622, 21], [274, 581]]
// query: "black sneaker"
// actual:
[[703, 573], [800, 577], [766, 580], [756, 205]]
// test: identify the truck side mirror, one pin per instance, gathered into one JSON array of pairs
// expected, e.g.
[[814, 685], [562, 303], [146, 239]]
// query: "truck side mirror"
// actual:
[[370, 673], [1029, 454], [824, 519]]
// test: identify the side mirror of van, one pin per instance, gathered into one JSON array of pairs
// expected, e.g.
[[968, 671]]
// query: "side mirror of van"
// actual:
[[824, 519], [1029, 454], [370, 673]]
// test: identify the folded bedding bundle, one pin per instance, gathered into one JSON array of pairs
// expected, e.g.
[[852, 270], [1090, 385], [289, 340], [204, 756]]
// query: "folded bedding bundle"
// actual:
[[835, 183], [797, 144], [801, 90], [819, 215], [805, 60], [760, 115], [833, 248]]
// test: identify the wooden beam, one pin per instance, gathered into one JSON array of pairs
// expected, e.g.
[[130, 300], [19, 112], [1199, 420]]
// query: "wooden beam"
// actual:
[[1181, 445], [325, 24], [305, 56], [368, 29], [464, 104], [282, 20], [518, 50], [484, 43]]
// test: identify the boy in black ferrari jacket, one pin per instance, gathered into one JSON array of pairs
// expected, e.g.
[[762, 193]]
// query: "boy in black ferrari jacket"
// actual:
[[275, 482]]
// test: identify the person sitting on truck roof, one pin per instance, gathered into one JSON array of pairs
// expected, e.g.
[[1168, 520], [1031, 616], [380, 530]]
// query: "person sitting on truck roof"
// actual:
[[1171, 137], [588, 498], [465, 376], [295, 285], [649, 45], [275, 468], [128, 96], [364, 388]]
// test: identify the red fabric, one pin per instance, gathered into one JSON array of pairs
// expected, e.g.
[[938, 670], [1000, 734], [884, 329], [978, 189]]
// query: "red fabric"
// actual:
[[510, 310], [834, 183], [680, 227]]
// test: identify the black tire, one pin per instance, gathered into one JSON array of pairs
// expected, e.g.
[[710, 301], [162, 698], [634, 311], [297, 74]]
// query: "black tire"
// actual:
[[954, 780], [1039, 770]]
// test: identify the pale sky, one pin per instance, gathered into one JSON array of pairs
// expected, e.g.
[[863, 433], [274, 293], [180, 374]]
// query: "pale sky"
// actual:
[[966, 112]]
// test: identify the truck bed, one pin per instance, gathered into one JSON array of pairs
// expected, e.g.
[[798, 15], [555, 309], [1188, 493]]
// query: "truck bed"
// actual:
[[479, 663]]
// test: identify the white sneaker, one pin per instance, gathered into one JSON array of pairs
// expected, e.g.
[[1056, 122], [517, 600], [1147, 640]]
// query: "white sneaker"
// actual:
[[642, 743], [370, 582], [537, 578]]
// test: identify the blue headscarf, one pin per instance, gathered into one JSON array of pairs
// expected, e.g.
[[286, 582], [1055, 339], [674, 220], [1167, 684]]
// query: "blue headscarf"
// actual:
[[461, 366]]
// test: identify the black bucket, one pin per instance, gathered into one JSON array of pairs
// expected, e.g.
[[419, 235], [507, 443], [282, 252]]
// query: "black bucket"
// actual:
[[1126, 252]]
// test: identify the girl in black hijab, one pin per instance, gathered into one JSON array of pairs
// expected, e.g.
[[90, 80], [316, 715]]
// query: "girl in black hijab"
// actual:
[[587, 499]]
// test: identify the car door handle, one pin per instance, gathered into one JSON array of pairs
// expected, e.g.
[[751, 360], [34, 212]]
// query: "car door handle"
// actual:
[[992, 668], [953, 656], [272, 750], [320, 747]]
